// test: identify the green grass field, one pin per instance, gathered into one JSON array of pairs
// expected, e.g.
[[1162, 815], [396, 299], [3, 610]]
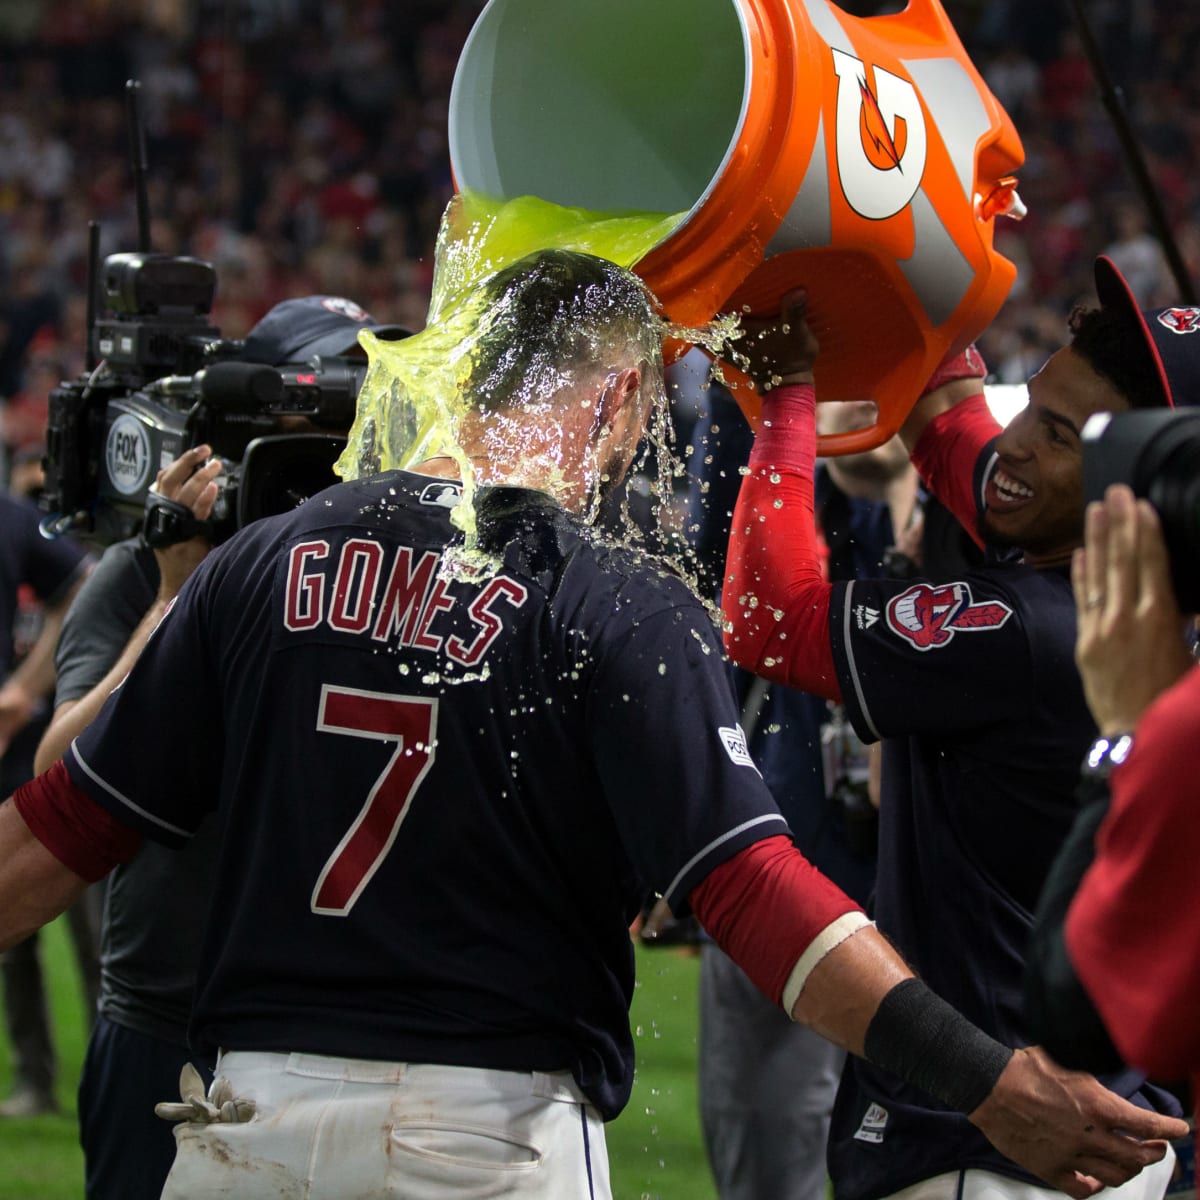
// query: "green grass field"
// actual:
[[654, 1146]]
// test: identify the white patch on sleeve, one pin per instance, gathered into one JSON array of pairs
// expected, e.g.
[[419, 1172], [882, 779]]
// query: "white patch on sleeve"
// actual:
[[734, 741]]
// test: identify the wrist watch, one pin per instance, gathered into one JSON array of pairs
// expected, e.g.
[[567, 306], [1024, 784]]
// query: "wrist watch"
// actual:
[[1105, 754]]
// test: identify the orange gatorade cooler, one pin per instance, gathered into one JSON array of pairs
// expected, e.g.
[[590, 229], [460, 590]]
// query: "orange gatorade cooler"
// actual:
[[863, 159]]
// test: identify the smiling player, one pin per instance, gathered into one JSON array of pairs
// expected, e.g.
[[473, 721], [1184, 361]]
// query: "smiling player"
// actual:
[[970, 682]]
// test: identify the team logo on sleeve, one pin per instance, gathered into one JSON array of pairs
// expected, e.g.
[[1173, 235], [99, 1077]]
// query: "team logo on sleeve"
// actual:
[[929, 617], [1180, 320], [734, 741]]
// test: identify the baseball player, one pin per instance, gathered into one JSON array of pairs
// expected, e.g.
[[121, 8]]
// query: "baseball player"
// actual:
[[445, 796], [156, 906], [970, 681], [38, 578]]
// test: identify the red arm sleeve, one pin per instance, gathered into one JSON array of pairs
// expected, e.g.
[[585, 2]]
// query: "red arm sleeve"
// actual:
[[81, 834], [1133, 929], [947, 452], [775, 915], [775, 598]]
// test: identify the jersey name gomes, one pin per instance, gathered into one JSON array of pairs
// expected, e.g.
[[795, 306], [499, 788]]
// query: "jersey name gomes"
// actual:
[[394, 596]]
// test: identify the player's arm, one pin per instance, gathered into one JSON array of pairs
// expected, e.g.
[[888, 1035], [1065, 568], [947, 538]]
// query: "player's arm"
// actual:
[[33, 680], [188, 480], [957, 379], [947, 431], [72, 717], [775, 597], [54, 841], [809, 948]]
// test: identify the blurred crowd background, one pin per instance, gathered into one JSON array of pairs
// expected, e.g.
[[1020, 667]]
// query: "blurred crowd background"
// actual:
[[300, 146]]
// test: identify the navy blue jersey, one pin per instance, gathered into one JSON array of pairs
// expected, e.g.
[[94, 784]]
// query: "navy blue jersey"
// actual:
[[48, 566], [444, 800], [974, 687]]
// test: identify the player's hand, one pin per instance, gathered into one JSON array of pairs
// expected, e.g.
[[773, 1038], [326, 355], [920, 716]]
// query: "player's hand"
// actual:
[[1068, 1128], [189, 480], [1129, 645], [781, 349]]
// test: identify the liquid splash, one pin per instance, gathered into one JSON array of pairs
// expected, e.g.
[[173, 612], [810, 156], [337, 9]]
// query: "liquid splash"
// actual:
[[413, 399]]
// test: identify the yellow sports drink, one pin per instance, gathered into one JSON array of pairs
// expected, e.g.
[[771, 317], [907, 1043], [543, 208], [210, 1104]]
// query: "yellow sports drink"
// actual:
[[863, 159]]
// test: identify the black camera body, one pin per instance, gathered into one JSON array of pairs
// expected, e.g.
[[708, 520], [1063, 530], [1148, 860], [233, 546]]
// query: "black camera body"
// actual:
[[167, 381], [1156, 451]]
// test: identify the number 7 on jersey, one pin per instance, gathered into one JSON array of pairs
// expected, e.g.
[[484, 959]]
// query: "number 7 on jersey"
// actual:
[[408, 721]]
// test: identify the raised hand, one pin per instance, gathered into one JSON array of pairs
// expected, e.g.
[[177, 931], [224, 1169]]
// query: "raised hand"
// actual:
[[1130, 645], [190, 480], [779, 350]]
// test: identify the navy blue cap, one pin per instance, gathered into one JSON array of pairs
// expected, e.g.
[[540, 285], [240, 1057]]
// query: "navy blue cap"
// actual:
[[296, 330], [1172, 335]]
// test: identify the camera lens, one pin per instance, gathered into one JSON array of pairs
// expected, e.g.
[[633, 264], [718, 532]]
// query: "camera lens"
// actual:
[[1172, 484], [1157, 453]]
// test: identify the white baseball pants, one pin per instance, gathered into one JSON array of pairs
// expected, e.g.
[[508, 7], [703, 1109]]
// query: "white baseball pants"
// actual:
[[1150, 1184], [347, 1128]]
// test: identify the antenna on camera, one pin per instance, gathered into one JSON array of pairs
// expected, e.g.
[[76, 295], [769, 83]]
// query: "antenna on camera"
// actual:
[[93, 282], [137, 160]]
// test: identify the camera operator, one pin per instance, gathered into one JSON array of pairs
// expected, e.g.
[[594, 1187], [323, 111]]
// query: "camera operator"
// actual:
[[156, 906], [1116, 964]]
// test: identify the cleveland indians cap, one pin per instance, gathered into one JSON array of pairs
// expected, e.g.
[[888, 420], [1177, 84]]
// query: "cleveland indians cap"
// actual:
[[1172, 335], [296, 330]]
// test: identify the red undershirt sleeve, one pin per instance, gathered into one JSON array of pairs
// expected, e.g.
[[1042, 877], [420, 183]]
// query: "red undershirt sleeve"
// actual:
[[1131, 932], [775, 915], [82, 835], [947, 453], [775, 597]]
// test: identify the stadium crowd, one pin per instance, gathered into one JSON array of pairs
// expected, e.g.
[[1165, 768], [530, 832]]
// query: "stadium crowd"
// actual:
[[302, 148]]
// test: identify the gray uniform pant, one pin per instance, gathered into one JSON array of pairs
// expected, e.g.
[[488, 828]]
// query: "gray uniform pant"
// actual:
[[766, 1090]]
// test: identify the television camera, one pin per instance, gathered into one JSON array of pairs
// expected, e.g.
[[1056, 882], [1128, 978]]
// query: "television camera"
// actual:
[[167, 381]]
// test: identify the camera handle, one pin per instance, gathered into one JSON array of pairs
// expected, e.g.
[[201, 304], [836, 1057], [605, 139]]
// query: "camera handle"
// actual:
[[167, 523]]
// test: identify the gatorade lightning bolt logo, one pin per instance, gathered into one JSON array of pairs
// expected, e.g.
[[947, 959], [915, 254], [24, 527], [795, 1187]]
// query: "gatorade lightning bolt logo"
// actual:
[[881, 139], [875, 133]]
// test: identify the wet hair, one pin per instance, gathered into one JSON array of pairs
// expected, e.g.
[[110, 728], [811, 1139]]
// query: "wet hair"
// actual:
[[556, 316], [1115, 347]]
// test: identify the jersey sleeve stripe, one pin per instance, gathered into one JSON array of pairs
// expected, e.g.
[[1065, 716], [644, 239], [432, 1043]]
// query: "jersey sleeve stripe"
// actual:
[[117, 795], [851, 667], [686, 870], [833, 935]]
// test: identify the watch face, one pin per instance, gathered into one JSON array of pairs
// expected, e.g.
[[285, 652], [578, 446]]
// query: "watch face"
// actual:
[[1108, 752]]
